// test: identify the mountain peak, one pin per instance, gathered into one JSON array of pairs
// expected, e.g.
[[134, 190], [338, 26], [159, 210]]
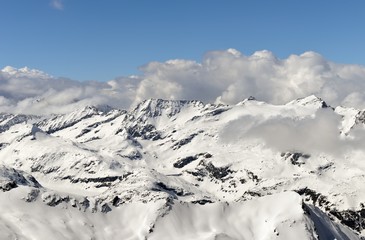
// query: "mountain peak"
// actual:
[[249, 99], [157, 107], [99, 108], [310, 101]]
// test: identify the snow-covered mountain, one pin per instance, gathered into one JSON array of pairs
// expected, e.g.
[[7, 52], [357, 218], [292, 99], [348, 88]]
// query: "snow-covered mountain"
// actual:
[[185, 170]]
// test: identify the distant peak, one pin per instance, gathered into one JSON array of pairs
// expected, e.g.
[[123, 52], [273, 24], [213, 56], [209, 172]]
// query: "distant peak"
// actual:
[[249, 99], [158, 102], [98, 108], [155, 107], [312, 101]]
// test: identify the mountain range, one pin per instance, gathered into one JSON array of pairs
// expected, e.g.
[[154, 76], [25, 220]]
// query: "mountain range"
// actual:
[[170, 169]]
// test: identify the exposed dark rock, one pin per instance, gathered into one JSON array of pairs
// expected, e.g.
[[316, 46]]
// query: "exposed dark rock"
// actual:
[[251, 98], [186, 160], [273, 187], [314, 197], [50, 170], [243, 181], [36, 168], [218, 111], [360, 117], [325, 167], [116, 201], [208, 169], [85, 203], [134, 155], [91, 139], [51, 199], [350, 218], [218, 172], [147, 132], [248, 195], [160, 186], [3, 145], [15, 178], [32, 195], [185, 141], [353, 219], [252, 194], [232, 183], [207, 155], [253, 176], [105, 208], [8, 185], [151, 230], [202, 201], [324, 105], [195, 118], [83, 132], [105, 180], [296, 158]]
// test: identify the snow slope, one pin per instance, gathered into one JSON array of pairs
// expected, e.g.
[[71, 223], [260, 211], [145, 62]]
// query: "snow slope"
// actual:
[[185, 170], [273, 217]]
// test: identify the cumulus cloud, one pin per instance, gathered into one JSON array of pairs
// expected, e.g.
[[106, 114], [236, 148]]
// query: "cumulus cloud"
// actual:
[[221, 76], [57, 4], [35, 92], [229, 77]]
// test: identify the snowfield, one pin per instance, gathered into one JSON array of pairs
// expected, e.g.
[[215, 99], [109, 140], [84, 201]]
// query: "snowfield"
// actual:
[[278, 216], [185, 170]]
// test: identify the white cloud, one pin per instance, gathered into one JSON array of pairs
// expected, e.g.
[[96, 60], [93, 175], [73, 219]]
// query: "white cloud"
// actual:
[[222, 76], [310, 135], [57, 4], [34, 92], [229, 76]]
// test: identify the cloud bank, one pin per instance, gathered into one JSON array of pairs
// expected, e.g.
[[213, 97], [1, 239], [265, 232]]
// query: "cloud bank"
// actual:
[[309, 135], [313, 134], [222, 76]]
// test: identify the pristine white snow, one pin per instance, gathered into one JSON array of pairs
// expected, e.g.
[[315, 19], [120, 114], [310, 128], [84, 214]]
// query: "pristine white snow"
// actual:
[[112, 174], [278, 216]]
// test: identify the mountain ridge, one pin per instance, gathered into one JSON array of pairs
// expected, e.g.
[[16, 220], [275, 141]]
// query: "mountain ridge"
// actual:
[[99, 159]]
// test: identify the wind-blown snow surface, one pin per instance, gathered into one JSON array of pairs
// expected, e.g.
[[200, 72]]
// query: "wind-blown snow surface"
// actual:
[[184, 170]]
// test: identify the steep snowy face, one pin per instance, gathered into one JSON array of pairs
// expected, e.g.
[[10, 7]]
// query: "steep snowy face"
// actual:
[[158, 107], [199, 159], [11, 178], [7, 120], [310, 101]]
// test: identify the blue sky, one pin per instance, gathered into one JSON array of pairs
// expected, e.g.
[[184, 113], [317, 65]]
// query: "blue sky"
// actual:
[[100, 40]]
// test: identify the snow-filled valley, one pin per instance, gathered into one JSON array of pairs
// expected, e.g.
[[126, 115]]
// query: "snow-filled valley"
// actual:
[[172, 169]]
